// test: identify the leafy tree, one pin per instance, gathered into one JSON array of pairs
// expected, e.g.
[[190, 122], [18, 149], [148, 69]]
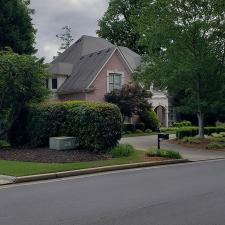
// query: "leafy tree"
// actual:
[[16, 28], [131, 99], [22, 81], [119, 23], [66, 39], [186, 45], [150, 119]]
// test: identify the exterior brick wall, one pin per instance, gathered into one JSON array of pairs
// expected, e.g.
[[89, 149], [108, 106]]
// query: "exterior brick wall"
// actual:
[[115, 64]]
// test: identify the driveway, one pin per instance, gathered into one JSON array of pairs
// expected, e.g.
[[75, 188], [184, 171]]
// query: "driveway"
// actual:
[[145, 142], [188, 194]]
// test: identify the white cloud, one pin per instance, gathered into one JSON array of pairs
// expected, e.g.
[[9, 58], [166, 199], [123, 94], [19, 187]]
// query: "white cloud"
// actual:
[[52, 15]]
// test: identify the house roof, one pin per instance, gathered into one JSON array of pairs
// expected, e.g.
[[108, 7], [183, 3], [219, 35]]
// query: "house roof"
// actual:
[[84, 59], [85, 71]]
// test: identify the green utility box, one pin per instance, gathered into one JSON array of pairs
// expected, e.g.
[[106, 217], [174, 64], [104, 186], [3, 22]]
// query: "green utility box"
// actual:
[[62, 143]]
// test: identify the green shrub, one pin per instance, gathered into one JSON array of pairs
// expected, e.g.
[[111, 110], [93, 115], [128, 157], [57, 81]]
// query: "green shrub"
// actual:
[[18, 134], [163, 153], [140, 126], [186, 132], [122, 150], [150, 119], [96, 126], [4, 144], [139, 131], [128, 127], [216, 139], [182, 124], [148, 131], [191, 140], [170, 130], [210, 130], [193, 131], [216, 145], [216, 135]]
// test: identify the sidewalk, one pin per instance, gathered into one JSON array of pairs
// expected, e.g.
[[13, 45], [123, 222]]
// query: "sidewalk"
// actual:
[[191, 154], [6, 180]]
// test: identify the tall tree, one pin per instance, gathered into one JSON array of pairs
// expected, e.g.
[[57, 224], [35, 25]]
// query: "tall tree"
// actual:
[[186, 45], [16, 28], [119, 23], [66, 39], [22, 81]]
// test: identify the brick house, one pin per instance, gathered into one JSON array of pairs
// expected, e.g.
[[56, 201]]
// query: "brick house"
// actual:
[[92, 67]]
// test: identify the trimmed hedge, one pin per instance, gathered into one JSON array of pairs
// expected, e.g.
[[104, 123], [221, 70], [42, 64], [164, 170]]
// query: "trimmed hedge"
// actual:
[[182, 124], [193, 131], [96, 126]]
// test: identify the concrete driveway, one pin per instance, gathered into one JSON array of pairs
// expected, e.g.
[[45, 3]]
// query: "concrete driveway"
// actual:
[[145, 142]]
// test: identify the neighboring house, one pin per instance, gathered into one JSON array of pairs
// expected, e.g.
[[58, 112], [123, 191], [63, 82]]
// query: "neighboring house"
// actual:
[[93, 67]]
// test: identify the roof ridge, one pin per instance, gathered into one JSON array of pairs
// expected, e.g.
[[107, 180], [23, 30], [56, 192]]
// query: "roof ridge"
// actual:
[[99, 51]]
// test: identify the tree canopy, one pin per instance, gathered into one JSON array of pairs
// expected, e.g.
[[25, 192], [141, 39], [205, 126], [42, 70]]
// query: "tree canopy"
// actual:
[[66, 38], [119, 23], [22, 81], [186, 46], [131, 99], [16, 28]]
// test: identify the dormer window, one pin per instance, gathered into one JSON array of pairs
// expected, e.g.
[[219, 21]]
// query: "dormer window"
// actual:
[[54, 84]]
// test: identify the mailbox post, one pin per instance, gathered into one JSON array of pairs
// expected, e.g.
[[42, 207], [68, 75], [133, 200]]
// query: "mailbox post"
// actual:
[[162, 137]]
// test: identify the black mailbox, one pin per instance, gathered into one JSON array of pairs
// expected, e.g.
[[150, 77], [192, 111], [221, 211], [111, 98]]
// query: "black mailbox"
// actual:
[[162, 136]]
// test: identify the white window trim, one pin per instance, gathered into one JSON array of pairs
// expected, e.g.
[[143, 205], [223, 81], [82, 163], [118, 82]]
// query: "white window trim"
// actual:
[[118, 72], [55, 77]]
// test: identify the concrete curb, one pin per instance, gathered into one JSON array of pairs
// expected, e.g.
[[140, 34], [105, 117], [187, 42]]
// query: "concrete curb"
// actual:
[[4, 180], [96, 170]]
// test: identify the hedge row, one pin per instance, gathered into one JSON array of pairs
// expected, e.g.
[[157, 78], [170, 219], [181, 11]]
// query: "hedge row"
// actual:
[[182, 124], [96, 126], [129, 127], [193, 131]]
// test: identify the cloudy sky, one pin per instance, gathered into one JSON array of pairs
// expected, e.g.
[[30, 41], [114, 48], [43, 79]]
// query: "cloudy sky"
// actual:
[[51, 15]]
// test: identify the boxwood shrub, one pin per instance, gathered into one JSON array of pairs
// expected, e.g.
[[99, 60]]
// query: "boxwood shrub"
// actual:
[[96, 126], [193, 131], [140, 126], [150, 119], [129, 127]]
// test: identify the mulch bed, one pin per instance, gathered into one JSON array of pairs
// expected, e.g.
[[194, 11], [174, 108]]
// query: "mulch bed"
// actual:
[[44, 155], [202, 145]]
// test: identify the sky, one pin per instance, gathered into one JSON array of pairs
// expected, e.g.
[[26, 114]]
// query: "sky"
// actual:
[[51, 15]]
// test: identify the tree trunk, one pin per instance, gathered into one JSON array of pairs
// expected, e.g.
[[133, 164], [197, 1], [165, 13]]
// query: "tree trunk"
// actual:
[[201, 125]]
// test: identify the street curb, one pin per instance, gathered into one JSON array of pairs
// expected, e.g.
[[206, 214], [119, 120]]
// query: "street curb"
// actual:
[[95, 170]]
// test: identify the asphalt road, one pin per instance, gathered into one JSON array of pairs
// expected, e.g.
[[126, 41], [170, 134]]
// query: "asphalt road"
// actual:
[[190, 194]]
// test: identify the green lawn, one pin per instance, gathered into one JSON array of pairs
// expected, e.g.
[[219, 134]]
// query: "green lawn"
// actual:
[[13, 168]]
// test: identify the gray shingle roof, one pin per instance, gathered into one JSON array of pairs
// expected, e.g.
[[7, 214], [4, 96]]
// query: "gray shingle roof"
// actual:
[[87, 56], [132, 58], [85, 71]]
